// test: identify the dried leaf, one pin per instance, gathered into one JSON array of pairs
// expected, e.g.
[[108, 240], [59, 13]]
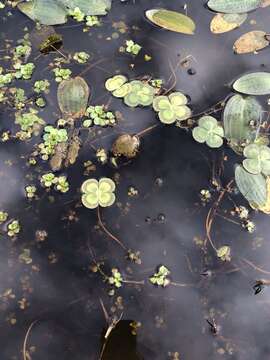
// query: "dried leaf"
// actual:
[[73, 150], [171, 20], [126, 145], [60, 153], [233, 6], [251, 42], [265, 3], [257, 83], [222, 23]]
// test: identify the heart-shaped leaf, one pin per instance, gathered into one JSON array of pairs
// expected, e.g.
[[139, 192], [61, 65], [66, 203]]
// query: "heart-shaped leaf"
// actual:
[[171, 20]]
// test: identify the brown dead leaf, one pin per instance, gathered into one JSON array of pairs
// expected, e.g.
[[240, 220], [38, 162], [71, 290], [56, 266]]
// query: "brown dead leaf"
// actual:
[[219, 25], [126, 145], [251, 42], [58, 156], [73, 150], [265, 3]]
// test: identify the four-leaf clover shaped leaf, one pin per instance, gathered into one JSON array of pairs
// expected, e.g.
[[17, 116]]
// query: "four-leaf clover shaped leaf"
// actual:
[[139, 94], [118, 86], [98, 193], [171, 108], [209, 131], [258, 159]]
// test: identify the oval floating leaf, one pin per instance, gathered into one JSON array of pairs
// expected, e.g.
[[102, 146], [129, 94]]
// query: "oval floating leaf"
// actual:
[[252, 187], [251, 42], [171, 20], [46, 12], [257, 83], [73, 96], [238, 115], [233, 6], [222, 23], [89, 7]]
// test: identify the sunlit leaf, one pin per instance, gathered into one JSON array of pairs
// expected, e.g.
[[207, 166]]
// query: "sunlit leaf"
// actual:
[[257, 83], [251, 186], [171, 20], [233, 6], [222, 23], [47, 12], [250, 42], [224, 253], [89, 7]]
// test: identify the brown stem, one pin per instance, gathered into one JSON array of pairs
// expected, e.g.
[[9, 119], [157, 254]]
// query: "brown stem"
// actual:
[[143, 132], [255, 267], [25, 356], [108, 232]]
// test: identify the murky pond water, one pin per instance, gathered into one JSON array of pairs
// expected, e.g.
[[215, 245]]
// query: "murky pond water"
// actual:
[[57, 292]]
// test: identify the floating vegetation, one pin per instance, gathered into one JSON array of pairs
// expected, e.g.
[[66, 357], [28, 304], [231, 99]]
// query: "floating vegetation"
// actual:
[[171, 20], [132, 47], [61, 74], [160, 278], [126, 145], [222, 23], [257, 83], [98, 193], [233, 6], [139, 94], [224, 253], [257, 159], [81, 57], [208, 131], [251, 42], [99, 116], [116, 278], [13, 228], [51, 43]]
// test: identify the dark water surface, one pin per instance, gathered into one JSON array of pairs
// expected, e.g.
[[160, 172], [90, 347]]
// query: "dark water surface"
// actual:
[[64, 296]]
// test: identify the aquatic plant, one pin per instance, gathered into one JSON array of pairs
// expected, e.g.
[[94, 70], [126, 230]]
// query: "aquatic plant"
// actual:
[[208, 131], [100, 116], [132, 47], [257, 159], [13, 228], [5, 79], [29, 121], [118, 86], [22, 50], [92, 21], [98, 193], [47, 180], [160, 278], [52, 136], [62, 184], [81, 57], [77, 14], [61, 74], [224, 253], [139, 93], [116, 278], [126, 145], [3, 216], [30, 191], [41, 86], [24, 71], [171, 108]]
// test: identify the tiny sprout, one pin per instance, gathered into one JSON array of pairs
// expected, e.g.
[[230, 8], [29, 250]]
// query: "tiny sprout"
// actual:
[[30, 191], [224, 253], [13, 228], [160, 277], [132, 47], [81, 57], [47, 180], [92, 21], [249, 226], [87, 123], [116, 278], [40, 102], [3, 216], [205, 195], [62, 184], [77, 14], [41, 86], [102, 156]]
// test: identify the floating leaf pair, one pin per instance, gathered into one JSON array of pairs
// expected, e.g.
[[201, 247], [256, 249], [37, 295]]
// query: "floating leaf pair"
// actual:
[[118, 86], [209, 131], [98, 193], [171, 108], [171, 20], [257, 83], [257, 159]]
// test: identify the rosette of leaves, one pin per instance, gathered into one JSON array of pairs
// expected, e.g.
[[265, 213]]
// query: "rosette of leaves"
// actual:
[[140, 94], [257, 159], [160, 278], [118, 86], [224, 253], [29, 121], [98, 193], [116, 278], [208, 131], [171, 108]]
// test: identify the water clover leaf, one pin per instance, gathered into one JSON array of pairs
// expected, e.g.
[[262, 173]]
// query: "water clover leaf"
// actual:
[[224, 253], [160, 277], [98, 193], [115, 82], [209, 131], [171, 108], [257, 159], [139, 94]]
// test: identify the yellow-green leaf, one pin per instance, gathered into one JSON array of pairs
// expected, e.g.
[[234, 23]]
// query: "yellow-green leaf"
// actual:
[[171, 20], [222, 23]]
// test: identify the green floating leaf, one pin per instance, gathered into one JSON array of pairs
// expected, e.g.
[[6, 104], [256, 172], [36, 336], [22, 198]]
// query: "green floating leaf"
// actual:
[[89, 7], [233, 6], [257, 83], [98, 193], [208, 131], [239, 113], [252, 187], [46, 12], [73, 97], [224, 253], [257, 159], [140, 94], [171, 20]]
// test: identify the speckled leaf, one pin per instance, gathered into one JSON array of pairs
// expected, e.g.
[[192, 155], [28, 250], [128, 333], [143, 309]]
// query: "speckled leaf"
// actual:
[[252, 187], [222, 23], [250, 42], [233, 6], [47, 12], [238, 113], [171, 20], [257, 83], [89, 7], [126, 145], [73, 96]]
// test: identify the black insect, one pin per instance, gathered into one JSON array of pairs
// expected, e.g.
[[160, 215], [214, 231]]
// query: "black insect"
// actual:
[[213, 326], [258, 287]]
